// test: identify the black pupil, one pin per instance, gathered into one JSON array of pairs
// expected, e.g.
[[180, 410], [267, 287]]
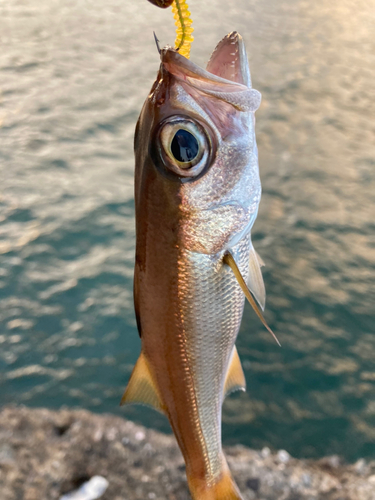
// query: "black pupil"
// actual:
[[184, 146]]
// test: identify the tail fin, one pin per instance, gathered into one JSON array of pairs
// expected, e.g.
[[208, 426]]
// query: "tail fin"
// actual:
[[223, 489]]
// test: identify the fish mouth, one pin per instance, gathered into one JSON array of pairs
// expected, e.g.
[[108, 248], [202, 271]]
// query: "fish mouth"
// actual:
[[228, 62], [227, 76]]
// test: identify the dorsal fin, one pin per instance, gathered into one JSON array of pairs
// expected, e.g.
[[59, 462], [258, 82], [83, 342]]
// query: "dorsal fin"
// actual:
[[255, 281], [235, 379], [142, 388]]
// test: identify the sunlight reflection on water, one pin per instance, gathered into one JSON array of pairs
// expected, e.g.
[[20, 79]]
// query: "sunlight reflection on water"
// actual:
[[73, 78]]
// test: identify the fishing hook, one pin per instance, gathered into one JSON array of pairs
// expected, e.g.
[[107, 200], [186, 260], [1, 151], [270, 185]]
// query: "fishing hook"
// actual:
[[157, 42]]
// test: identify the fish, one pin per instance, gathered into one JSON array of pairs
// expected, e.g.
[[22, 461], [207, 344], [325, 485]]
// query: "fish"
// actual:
[[197, 193]]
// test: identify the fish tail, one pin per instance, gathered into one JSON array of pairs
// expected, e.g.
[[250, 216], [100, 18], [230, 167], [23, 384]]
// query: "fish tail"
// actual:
[[223, 489]]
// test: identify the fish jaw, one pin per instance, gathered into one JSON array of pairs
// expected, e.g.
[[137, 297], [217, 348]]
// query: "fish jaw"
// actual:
[[229, 60], [188, 303]]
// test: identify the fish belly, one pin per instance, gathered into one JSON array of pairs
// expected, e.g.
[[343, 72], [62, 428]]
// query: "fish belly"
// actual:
[[190, 312]]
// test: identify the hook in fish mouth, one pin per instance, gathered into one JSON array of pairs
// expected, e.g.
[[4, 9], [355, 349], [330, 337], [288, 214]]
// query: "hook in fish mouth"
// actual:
[[157, 42]]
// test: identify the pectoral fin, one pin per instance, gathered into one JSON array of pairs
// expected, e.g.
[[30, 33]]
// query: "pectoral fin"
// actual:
[[229, 260], [255, 281], [142, 388], [260, 260], [235, 379]]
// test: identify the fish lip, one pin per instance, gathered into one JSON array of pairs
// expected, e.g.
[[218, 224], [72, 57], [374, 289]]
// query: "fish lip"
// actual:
[[218, 64], [229, 60], [240, 95], [184, 69]]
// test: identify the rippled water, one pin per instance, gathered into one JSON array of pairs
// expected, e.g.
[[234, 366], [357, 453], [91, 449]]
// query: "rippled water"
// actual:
[[73, 77]]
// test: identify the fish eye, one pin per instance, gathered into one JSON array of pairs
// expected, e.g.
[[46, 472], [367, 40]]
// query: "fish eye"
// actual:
[[184, 146]]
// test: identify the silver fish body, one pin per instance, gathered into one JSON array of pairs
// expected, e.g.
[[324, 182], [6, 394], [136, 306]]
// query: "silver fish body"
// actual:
[[196, 199]]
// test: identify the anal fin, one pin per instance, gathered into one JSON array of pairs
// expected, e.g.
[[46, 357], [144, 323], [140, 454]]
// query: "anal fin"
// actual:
[[142, 388], [235, 379]]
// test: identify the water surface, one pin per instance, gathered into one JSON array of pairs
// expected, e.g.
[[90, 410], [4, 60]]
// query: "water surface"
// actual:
[[73, 77]]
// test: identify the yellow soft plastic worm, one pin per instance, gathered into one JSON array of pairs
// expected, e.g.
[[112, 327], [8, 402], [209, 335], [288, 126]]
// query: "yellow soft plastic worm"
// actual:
[[184, 29]]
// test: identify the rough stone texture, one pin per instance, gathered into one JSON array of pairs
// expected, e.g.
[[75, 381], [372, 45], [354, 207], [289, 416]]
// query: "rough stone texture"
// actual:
[[44, 454]]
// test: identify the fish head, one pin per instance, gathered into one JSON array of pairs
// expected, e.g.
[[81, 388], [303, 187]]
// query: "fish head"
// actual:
[[196, 154]]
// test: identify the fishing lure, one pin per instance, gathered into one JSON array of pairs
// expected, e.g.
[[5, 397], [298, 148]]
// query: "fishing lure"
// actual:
[[183, 24], [184, 29]]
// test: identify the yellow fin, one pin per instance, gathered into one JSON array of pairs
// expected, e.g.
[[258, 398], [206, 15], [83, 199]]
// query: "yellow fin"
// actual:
[[235, 379], [142, 388], [255, 281], [229, 260]]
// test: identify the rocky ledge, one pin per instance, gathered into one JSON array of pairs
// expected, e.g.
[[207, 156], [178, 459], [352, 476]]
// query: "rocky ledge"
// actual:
[[44, 455]]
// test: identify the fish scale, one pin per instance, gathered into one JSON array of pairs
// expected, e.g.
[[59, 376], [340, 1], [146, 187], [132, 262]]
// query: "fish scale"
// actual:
[[212, 312]]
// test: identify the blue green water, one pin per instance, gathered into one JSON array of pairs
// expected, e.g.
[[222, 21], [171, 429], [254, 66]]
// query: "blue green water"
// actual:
[[73, 77]]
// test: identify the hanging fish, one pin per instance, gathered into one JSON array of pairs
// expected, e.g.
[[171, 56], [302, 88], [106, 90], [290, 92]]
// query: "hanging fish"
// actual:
[[197, 191]]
